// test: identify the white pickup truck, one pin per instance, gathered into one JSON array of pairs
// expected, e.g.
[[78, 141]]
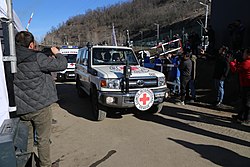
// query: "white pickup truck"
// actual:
[[113, 78]]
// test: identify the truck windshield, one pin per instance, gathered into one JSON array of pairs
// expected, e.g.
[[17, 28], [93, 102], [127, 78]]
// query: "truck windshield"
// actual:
[[70, 57], [111, 56]]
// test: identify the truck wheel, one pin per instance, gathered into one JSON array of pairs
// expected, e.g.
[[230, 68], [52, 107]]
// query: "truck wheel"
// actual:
[[99, 115], [156, 108], [80, 92]]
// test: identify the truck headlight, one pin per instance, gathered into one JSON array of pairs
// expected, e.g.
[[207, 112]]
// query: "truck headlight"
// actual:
[[161, 81], [111, 83]]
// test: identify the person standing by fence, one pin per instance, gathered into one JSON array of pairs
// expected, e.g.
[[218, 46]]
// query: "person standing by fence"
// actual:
[[185, 74]]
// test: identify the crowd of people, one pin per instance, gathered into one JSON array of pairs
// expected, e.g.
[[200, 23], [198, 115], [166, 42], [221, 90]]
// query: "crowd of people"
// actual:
[[180, 69]]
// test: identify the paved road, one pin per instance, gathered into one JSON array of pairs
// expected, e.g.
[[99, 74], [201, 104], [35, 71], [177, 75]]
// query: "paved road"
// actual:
[[178, 136]]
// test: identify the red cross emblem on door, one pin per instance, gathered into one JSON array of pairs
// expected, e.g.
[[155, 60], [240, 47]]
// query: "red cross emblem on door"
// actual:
[[144, 99]]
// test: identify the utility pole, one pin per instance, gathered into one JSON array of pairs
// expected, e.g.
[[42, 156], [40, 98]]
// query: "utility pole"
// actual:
[[128, 43], [141, 38], [158, 32], [205, 26], [206, 17]]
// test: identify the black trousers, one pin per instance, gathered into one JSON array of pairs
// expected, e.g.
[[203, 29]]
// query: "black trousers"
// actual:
[[245, 104], [184, 83]]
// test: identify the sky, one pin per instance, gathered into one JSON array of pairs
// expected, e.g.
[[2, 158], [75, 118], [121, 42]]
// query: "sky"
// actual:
[[50, 13]]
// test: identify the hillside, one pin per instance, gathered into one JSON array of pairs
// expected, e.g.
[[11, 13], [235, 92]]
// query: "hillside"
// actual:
[[138, 16]]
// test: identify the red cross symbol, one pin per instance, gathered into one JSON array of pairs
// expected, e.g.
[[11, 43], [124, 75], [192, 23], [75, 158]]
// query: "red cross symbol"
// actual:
[[72, 64], [144, 99]]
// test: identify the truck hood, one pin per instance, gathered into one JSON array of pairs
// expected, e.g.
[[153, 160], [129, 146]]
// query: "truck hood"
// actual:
[[116, 71]]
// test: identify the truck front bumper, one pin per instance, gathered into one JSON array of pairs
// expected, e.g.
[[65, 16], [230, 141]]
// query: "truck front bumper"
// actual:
[[126, 100]]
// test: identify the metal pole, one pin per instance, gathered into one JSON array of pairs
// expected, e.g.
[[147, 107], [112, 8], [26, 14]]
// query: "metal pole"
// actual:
[[141, 38], [128, 38], [158, 32], [206, 13], [205, 26], [206, 16], [11, 36], [170, 34]]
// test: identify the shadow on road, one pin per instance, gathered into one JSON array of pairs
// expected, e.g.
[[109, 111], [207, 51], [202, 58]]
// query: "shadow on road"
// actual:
[[69, 101], [207, 105], [110, 153], [216, 154], [80, 107], [199, 117]]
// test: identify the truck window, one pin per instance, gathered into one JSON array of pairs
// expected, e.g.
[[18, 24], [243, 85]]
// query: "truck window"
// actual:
[[111, 56], [71, 58], [85, 57]]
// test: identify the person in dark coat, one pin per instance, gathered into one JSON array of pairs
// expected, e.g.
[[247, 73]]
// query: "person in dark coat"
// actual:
[[185, 68], [35, 91], [194, 41], [221, 70], [237, 31], [191, 85]]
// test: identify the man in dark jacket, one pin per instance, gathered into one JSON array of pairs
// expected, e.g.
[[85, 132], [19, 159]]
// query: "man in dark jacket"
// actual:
[[221, 70], [190, 89], [185, 74], [35, 90]]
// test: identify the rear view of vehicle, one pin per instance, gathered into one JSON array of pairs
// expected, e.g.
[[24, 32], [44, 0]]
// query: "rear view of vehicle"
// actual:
[[70, 52]]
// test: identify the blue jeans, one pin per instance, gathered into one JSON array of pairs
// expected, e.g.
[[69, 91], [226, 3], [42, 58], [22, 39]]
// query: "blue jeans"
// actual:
[[192, 88], [176, 88], [219, 86]]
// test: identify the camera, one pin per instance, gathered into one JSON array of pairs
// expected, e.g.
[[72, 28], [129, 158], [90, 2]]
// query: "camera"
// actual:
[[47, 51]]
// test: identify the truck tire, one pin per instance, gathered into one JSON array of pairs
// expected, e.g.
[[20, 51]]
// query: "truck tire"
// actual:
[[156, 108], [98, 114], [79, 90]]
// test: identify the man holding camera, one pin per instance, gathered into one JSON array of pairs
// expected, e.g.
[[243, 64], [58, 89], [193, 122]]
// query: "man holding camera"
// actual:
[[35, 90]]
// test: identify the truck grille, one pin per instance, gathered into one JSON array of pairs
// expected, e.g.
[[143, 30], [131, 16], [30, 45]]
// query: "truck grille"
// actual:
[[143, 82]]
